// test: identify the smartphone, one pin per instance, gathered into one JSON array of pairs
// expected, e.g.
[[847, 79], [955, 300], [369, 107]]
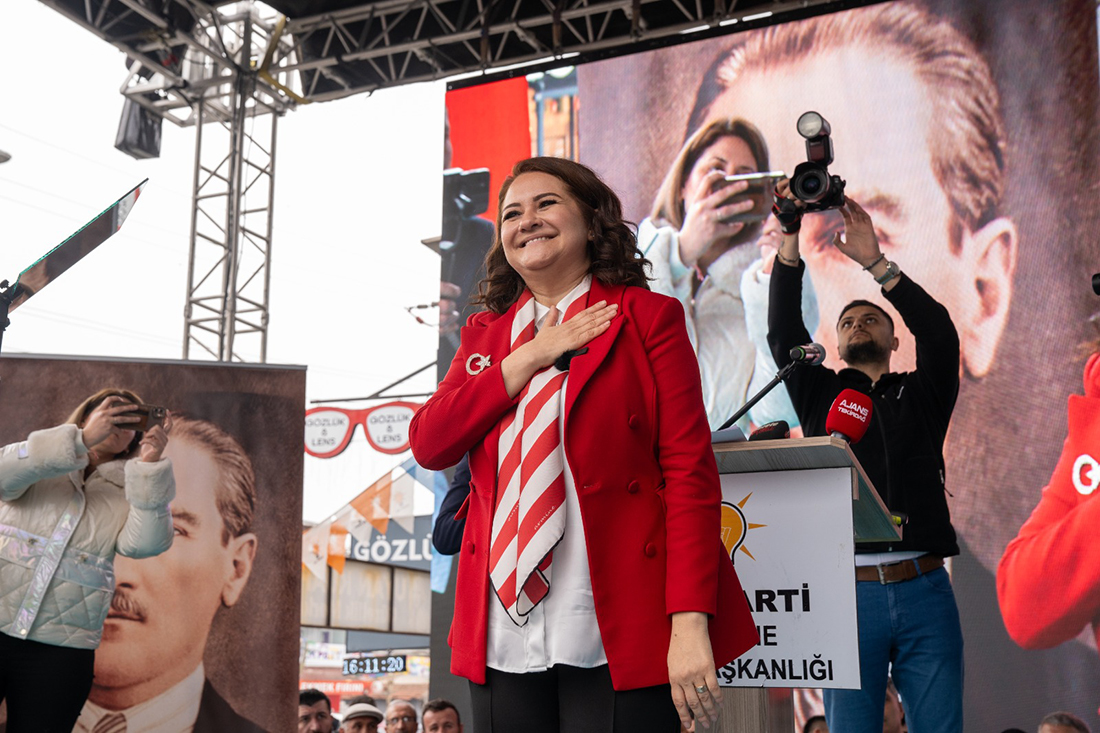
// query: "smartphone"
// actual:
[[760, 176], [760, 188], [151, 416]]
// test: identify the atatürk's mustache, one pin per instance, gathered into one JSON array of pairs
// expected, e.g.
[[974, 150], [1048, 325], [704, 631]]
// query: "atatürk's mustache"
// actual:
[[123, 605]]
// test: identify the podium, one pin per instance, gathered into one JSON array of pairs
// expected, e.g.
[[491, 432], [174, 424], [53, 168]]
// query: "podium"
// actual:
[[792, 513]]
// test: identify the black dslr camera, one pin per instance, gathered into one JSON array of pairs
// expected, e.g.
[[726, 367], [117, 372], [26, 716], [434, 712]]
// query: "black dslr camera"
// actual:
[[811, 182]]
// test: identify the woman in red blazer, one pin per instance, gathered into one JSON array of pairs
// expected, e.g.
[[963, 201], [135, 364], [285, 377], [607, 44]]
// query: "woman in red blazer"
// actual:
[[592, 476]]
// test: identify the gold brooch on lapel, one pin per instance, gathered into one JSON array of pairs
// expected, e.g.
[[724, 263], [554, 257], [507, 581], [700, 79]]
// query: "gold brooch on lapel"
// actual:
[[476, 364]]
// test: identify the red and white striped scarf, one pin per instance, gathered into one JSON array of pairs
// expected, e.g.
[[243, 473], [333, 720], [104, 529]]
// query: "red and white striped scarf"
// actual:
[[529, 518]]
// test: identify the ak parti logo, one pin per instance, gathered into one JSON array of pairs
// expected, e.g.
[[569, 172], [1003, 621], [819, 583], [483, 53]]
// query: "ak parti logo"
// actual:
[[735, 527]]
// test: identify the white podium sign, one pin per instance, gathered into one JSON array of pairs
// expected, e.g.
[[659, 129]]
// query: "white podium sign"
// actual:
[[791, 539]]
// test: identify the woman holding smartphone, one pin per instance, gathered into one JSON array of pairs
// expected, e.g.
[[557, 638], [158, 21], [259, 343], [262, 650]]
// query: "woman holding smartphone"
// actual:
[[71, 497], [703, 238]]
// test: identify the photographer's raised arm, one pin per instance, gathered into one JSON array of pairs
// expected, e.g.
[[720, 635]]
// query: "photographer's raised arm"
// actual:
[[861, 245]]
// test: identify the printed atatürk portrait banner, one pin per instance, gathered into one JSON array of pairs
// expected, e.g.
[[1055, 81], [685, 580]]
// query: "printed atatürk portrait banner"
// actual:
[[789, 534], [968, 130], [210, 626]]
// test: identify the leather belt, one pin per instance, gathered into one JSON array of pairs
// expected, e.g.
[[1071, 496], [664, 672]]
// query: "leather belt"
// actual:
[[899, 572]]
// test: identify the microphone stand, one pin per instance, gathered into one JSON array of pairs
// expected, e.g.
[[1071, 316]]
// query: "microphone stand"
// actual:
[[779, 377]]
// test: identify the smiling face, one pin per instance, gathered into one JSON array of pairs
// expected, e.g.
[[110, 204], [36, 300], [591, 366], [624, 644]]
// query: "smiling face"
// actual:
[[543, 230]]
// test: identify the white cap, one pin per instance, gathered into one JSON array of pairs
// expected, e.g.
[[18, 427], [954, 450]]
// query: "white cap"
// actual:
[[363, 710]]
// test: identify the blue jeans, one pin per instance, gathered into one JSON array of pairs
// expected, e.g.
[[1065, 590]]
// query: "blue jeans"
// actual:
[[913, 625]]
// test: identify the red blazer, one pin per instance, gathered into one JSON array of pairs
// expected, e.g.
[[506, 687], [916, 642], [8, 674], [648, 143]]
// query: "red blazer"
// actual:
[[1048, 581], [638, 443]]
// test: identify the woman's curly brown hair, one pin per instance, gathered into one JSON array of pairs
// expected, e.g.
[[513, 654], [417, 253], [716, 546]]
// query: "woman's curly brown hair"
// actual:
[[613, 250]]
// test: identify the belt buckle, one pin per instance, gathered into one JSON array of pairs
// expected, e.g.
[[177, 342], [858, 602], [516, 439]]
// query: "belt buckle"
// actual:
[[881, 574]]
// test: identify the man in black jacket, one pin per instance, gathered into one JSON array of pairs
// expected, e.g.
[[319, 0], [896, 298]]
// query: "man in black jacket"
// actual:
[[907, 611]]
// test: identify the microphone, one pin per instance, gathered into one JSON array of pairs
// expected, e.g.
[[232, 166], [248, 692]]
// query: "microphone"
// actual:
[[812, 354], [849, 416], [562, 362], [772, 431]]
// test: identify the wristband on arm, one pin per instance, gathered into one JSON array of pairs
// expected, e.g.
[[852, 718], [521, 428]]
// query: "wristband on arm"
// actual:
[[787, 214]]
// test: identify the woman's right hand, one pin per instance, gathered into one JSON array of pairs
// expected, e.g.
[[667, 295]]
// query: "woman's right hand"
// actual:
[[705, 218], [552, 341], [106, 418]]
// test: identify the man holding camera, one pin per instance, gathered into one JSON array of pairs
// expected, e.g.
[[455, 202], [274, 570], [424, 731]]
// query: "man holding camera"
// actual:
[[906, 607]]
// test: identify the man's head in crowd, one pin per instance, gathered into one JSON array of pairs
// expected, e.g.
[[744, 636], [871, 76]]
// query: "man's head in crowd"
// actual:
[[400, 717], [924, 154], [1063, 722], [441, 716], [314, 712], [361, 718], [164, 606]]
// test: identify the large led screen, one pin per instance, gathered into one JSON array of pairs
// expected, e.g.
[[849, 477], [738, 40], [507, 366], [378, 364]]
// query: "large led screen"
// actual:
[[968, 131]]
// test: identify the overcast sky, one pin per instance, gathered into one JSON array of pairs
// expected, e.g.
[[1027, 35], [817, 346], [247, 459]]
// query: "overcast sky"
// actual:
[[357, 187]]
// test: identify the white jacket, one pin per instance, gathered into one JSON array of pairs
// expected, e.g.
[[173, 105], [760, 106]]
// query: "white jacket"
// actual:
[[59, 534], [727, 322]]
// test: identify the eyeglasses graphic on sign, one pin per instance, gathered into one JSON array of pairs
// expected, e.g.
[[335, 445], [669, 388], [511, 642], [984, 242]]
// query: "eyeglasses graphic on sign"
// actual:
[[329, 429]]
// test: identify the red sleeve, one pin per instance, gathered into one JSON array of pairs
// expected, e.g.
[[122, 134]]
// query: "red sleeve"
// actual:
[[692, 493], [1048, 581], [462, 411]]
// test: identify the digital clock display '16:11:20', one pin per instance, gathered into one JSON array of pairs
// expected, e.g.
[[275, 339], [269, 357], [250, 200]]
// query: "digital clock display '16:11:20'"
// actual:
[[391, 664]]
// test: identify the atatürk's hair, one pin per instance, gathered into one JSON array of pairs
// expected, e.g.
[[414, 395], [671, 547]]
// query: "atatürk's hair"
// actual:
[[669, 203], [613, 249], [85, 408], [235, 493], [966, 137]]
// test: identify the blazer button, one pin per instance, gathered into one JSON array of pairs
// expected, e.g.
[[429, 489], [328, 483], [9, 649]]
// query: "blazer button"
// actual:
[[650, 550], [632, 487], [634, 421]]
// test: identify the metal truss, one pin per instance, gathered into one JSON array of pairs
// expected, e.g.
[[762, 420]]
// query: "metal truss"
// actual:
[[226, 315], [221, 66], [207, 67], [394, 42], [185, 51]]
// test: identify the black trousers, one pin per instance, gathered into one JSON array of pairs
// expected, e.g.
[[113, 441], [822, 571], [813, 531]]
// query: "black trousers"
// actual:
[[569, 700], [45, 685]]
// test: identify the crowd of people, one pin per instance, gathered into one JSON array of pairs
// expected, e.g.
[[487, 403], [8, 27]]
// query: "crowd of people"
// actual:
[[361, 714]]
